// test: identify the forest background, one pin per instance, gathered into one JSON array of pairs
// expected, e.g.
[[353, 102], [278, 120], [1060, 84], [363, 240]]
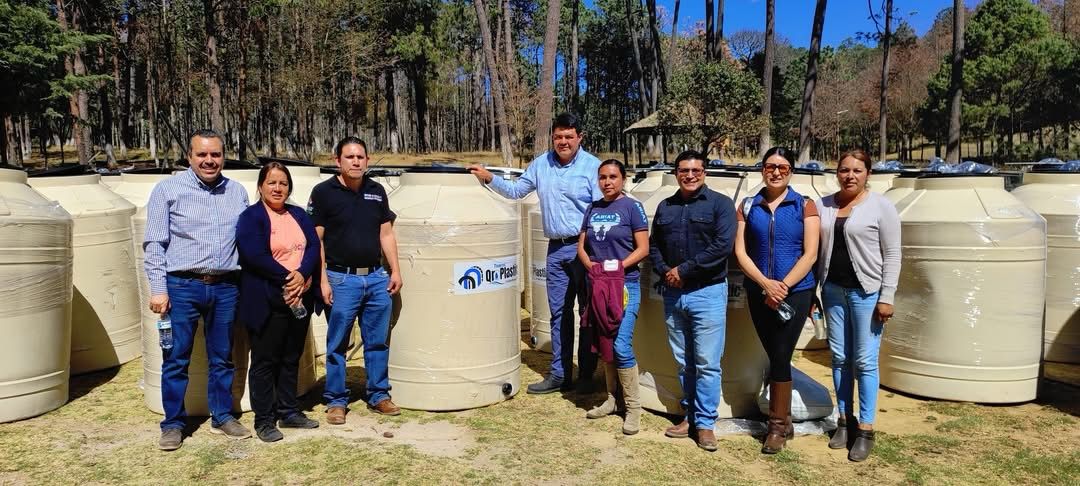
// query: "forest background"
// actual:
[[124, 79]]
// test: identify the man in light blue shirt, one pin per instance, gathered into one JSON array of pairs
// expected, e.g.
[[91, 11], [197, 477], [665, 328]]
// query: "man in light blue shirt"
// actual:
[[191, 264], [565, 180]]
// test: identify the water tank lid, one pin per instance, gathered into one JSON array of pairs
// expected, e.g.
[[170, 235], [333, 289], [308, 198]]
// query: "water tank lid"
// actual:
[[1056, 168], [150, 170], [288, 162], [911, 174], [718, 173], [805, 171], [947, 175], [437, 170], [63, 171]]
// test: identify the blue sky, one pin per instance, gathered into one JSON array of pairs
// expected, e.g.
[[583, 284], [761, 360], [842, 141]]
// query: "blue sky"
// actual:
[[843, 18]]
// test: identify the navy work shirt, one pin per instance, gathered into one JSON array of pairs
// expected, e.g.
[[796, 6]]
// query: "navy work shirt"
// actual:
[[351, 221], [696, 235]]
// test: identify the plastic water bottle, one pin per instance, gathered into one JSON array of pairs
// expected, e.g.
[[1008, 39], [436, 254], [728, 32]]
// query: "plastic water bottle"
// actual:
[[298, 309], [785, 311], [165, 338]]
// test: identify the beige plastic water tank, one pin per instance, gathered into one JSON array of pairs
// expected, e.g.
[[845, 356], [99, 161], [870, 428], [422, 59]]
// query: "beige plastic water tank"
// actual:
[[304, 180], [249, 178], [881, 182], [528, 204], [744, 360], [654, 179], [968, 322], [454, 343], [809, 183], [35, 311], [902, 185], [105, 307], [1056, 196], [725, 182], [111, 180]]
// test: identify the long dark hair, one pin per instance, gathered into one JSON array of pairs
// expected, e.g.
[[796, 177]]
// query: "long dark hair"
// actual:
[[269, 167]]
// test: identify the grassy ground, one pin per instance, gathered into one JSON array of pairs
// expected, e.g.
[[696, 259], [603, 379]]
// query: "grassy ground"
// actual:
[[105, 435]]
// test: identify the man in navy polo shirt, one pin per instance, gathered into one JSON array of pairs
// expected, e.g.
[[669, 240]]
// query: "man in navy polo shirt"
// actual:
[[352, 217]]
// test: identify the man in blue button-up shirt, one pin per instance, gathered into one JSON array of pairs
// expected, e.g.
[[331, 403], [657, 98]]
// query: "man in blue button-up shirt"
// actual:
[[191, 264], [692, 236], [565, 180]]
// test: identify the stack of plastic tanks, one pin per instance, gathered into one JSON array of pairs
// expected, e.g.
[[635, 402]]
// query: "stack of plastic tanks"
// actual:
[[653, 180], [1054, 193], [454, 340], [528, 204], [105, 314], [744, 360], [751, 177], [245, 175], [969, 306], [809, 183], [725, 182], [35, 312], [902, 185], [883, 173]]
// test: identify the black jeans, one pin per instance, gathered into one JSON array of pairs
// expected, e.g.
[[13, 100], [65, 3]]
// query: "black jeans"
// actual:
[[778, 337], [275, 363]]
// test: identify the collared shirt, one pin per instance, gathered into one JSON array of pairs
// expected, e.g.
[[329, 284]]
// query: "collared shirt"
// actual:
[[191, 226], [351, 221], [696, 235], [564, 190]]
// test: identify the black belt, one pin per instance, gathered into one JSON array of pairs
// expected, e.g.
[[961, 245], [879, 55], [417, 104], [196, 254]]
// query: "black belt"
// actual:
[[565, 241], [352, 270], [207, 278]]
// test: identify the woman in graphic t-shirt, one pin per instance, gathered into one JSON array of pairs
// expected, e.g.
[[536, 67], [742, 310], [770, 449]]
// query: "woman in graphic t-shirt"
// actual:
[[614, 238]]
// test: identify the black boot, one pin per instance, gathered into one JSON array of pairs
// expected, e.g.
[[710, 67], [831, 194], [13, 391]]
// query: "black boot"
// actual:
[[844, 433], [864, 442], [549, 385]]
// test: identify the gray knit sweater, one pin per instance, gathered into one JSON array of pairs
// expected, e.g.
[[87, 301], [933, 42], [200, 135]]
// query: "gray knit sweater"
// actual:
[[872, 233]]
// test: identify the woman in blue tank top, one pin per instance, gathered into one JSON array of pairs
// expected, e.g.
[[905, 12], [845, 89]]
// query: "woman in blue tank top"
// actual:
[[776, 245]]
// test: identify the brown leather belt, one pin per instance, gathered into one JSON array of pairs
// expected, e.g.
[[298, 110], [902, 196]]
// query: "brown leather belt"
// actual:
[[208, 278]]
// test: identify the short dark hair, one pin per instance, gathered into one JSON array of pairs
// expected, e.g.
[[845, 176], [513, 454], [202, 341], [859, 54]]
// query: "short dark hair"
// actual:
[[689, 155], [265, 170], [783, 152], [348, 141], [204, 133], [617, 163], [567, 120], [857, 154]]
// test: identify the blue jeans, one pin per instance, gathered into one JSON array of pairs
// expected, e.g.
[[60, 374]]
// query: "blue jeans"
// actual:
[[189, 301], [697, 325], [366, 296], [566, 282], [624, 339], [854, 339]]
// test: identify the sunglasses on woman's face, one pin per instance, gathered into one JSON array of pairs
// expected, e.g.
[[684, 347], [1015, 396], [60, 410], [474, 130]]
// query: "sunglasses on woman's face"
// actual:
[[784, 169]]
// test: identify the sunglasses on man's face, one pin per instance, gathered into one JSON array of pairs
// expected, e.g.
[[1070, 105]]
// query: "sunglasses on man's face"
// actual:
[[784, 169]]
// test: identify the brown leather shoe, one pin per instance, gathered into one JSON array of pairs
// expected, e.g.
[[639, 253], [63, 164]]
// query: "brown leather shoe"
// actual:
[[335, 415], [706, 439], [680, 431], [386, 407]]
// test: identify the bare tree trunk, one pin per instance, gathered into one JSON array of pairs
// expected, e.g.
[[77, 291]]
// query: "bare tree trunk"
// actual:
[[639, 69], [79, 102], [573, 71], [7, 139], [883, 111], [811, 81], [217, 119], [658, 56], [106, 116], [718, 37], [674, 36], [765, 140], [547, 78], [710, 47], [956, 85], [151, 107], [493, 75]]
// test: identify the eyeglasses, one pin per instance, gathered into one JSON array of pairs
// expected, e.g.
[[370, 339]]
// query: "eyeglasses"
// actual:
[[784, 169], [686, 170]]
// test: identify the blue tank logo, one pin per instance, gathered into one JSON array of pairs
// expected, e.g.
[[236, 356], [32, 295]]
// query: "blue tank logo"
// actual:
[[473, 278]]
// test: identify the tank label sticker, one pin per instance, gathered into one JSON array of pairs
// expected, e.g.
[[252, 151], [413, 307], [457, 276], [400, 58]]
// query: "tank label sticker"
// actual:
[[485, 275], [736, 296], [538, 273]]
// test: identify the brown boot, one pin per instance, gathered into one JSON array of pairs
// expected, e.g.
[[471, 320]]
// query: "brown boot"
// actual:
[[779, 417], [335, 415], [610, 405], [678, 431], [628, 378], [706, 439]]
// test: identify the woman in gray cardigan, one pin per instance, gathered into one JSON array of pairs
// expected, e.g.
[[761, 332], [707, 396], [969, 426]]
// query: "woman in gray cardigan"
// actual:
[[859, 266]]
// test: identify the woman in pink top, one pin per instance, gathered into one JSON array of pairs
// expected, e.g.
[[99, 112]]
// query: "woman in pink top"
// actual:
[[279, 252]]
